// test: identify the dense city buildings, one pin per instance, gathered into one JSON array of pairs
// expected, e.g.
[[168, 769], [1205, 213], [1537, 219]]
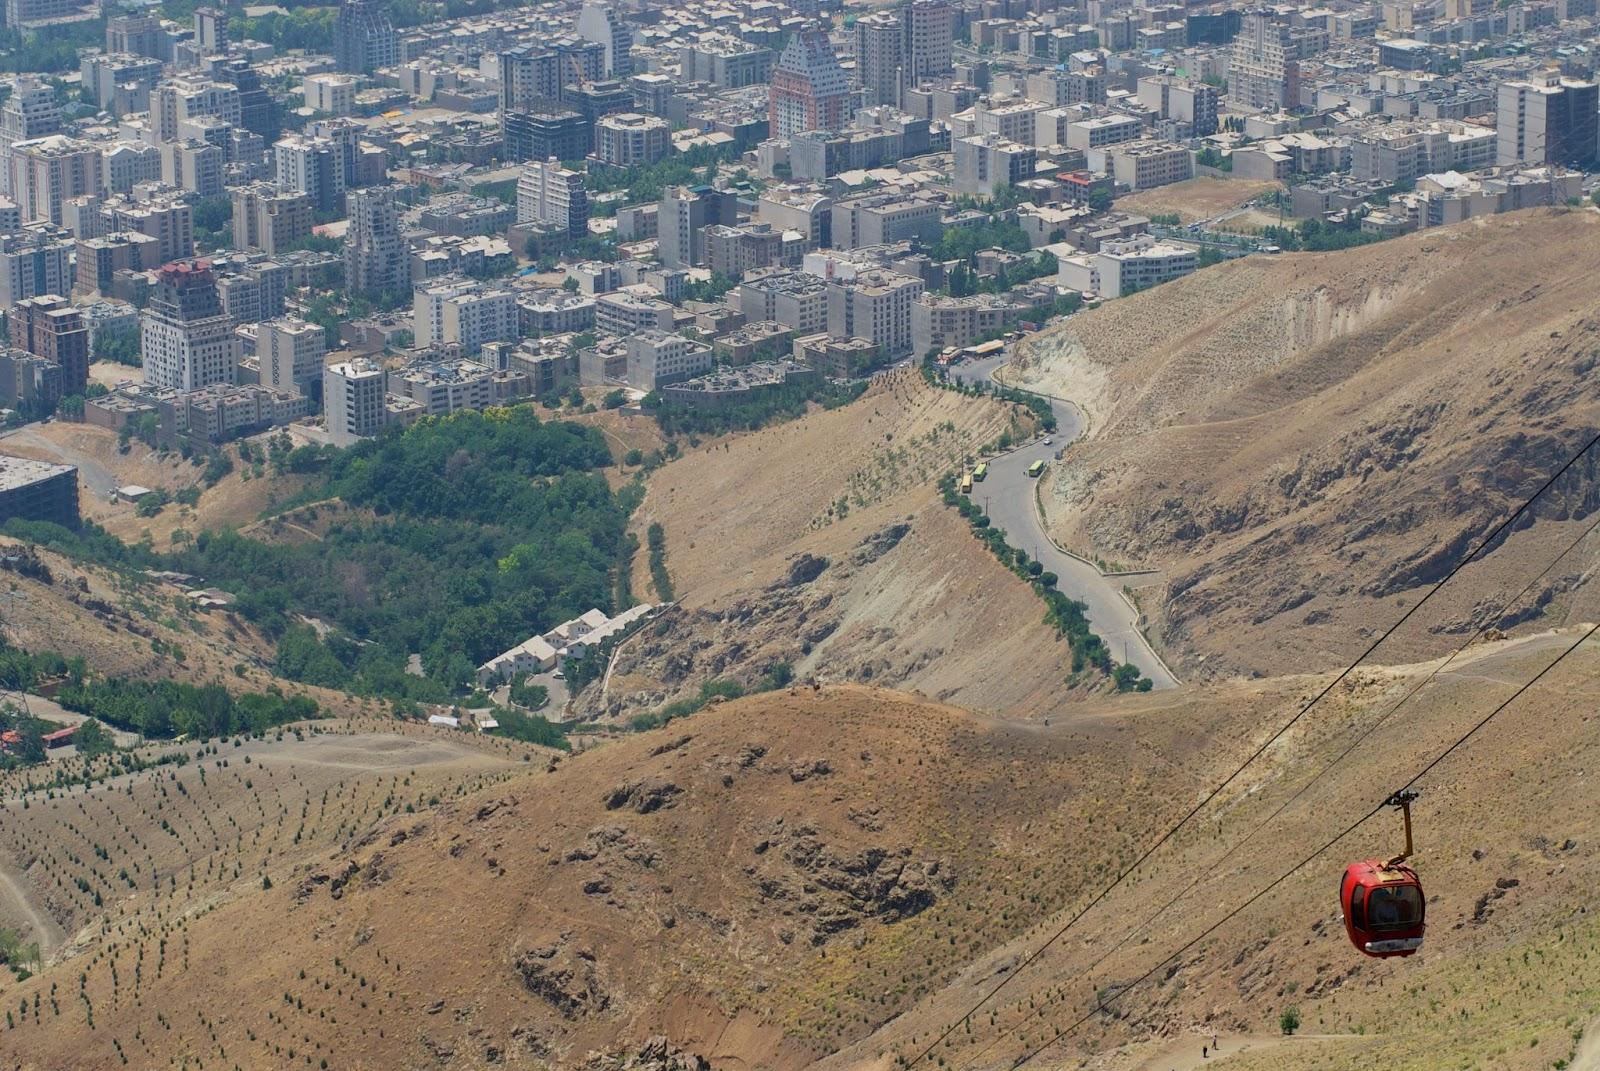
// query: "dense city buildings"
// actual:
[[492, 204]]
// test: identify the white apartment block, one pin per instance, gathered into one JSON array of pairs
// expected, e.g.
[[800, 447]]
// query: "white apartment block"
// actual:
[[353, 400], [623, 312], [1103, 130], [656, 358], [1141, 165], [626, 139], [312, 166], [985, 162], [551, 194], [481, 314], [46, 171], [1126, 264], [875, 305], [330, 93], [290, 352], [184, 98]]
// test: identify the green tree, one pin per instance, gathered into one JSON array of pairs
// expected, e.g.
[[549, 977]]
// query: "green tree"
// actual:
[[30, 748], [1100, 199], [91, 739], [1289, 1021]]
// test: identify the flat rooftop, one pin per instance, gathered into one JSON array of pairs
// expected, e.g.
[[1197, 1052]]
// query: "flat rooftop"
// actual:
[[17, 472]]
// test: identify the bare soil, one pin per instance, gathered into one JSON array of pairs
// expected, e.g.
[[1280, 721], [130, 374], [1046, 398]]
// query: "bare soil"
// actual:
[[1196, 199]]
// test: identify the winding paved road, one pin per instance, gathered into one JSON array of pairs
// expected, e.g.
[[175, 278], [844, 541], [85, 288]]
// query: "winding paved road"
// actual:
[[1008, 497]]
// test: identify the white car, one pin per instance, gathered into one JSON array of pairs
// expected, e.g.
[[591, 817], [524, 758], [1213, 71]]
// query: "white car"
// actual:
[[1049, 442]]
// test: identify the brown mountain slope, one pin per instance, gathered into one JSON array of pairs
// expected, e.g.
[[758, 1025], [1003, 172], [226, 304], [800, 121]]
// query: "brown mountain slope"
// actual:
[[821, 543], [1305, 442], [764, 882], [796, 875]]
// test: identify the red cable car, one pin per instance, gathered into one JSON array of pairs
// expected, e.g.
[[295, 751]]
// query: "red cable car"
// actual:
[[1382, 900]]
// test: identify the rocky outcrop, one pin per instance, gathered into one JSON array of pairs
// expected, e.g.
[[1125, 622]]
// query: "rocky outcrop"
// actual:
[[656, 1054], [836, 891], [643, 797], [564, 977]]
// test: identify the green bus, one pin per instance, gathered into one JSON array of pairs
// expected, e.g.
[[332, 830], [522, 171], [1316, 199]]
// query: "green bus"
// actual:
[[1036, 468], [981, 471]]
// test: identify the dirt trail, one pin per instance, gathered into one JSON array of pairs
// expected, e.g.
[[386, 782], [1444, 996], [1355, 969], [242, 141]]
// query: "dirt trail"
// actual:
[[1588, 1055], [17, 902], [1194, 1051]]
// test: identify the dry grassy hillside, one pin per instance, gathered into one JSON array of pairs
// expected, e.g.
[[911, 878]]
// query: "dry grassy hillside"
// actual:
[[821, 543], [1303, 443], [118, 856], [236, 499], [804, 873]]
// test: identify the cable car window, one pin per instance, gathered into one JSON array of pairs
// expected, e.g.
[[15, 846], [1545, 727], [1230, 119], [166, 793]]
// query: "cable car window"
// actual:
[[1395, 907], [1358, 903]]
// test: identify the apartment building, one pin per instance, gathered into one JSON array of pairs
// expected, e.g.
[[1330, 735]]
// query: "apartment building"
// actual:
[[330, 93], [550, 194], [51, 327], [270, 219], [681, 220], [1141, 165], [793, 298], [883, 219], [29, 113], [1264, 69], [353, 400], [36, 260], [628, 139], [875, 305], [937, 321], [726, 61], [1549, 119], [807, 212], [1124, 265], [656, 358], [187, 339], [984, 162], [290, 352], [374, 252], [809, 90], [624, 312], [312, 166], [46, 171], [1404, 151], [1102, 131], [554, 312], [169, 220], [733, 251], [444, 387], [1184, 100]]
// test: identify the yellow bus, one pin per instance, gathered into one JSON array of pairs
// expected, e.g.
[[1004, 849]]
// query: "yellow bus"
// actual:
[[966, 483], [1036, 468], [981, 471]]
